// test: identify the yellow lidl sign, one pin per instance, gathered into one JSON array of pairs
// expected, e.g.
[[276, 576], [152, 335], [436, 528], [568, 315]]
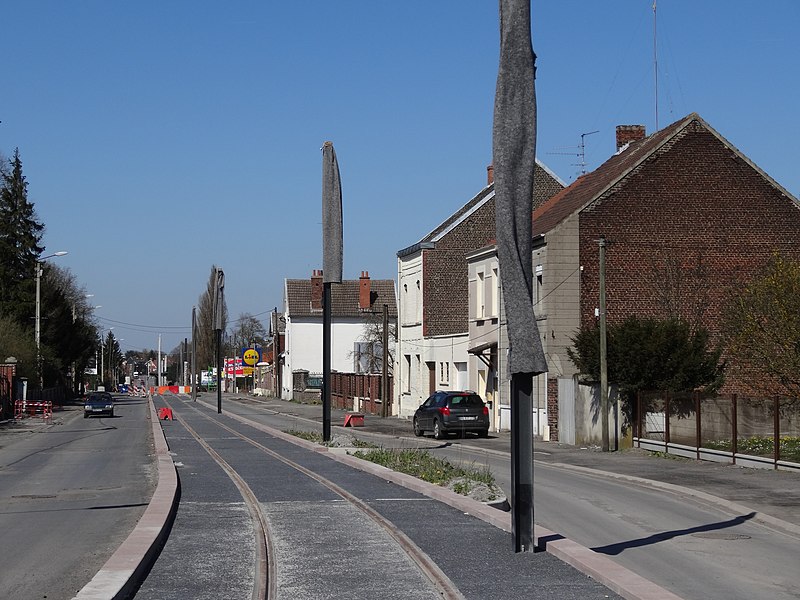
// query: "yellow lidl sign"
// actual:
[[250, 357]]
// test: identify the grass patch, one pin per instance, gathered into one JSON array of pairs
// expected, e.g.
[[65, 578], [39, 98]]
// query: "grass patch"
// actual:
[[422, 465], [338, 440], [761, 446], [477, 482]]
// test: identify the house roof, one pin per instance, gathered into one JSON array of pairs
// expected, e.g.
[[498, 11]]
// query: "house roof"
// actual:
[[591, 187], [344, 298], [540, 193]]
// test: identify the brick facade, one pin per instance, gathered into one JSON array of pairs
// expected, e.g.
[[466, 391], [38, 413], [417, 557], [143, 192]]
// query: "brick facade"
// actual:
[[685, 229], [445, 282]]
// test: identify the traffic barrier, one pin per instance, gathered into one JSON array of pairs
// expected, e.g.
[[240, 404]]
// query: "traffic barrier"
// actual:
[[165, 414], [23, 409], [354, 420]]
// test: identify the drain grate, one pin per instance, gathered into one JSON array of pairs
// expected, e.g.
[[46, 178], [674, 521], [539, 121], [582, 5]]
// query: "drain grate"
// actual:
[[721, 536]]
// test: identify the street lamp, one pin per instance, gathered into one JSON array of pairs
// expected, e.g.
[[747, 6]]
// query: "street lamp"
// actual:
[[38, 327]]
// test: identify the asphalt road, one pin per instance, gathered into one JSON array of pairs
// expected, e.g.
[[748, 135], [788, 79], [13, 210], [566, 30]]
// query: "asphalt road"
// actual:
[[69, 495]]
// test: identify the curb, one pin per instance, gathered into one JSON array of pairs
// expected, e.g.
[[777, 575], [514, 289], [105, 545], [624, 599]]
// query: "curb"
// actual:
[[122, 573]]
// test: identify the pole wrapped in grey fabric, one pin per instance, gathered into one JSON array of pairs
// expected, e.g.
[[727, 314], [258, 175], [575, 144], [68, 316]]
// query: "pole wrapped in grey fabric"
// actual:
[[514, 150], [331, 216], [219, 300]]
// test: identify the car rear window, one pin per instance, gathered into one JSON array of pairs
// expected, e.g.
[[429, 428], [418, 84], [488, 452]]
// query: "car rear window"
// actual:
[[466, 401]]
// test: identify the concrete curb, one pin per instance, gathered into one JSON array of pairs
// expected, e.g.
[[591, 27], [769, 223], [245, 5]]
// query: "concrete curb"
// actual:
[[123, 572], [617, 578]]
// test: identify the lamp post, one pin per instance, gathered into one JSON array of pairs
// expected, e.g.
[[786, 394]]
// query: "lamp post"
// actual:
[[38, 326]]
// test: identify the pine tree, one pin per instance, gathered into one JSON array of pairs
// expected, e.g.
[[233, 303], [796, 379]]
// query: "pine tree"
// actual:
[[20, 237]]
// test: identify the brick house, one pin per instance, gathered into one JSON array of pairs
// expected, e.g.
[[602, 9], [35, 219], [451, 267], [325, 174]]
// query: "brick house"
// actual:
[[433, 296], [688, 219], [353, 303]]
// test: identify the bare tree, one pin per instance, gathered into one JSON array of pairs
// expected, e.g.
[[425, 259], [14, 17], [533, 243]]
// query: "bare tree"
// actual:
[[206, 340], [367, 354]]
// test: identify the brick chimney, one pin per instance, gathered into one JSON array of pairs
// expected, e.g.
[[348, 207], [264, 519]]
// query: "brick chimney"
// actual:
[[490, 175], [316, 289], [627, 134], [364, 291]]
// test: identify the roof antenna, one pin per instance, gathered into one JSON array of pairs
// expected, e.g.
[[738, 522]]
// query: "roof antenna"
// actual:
[[581, 154], [655, 60]]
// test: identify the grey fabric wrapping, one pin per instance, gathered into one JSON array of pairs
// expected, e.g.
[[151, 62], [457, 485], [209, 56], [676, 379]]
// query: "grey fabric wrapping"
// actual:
[[331, 216], [514, 149], [219, 299]]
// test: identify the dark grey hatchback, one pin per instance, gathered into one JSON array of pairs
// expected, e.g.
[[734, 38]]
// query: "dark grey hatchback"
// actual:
[[452, 412]]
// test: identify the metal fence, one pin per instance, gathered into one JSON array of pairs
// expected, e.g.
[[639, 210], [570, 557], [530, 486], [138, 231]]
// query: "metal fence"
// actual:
[[741, 430]]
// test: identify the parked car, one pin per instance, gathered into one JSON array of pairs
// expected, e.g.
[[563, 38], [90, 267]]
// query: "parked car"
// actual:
[[452, 412], [99, 403]]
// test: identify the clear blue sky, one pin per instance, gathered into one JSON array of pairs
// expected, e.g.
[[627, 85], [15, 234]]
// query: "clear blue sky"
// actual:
[[159, 138]]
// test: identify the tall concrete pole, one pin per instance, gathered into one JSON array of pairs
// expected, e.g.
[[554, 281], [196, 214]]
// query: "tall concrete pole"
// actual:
[[603, 348]]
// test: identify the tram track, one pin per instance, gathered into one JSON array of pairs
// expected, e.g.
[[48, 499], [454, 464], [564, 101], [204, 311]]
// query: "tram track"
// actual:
[[265, 585]]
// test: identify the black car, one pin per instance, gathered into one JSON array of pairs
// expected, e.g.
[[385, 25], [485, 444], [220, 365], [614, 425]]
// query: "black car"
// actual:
[[452, 412], [99, 403]]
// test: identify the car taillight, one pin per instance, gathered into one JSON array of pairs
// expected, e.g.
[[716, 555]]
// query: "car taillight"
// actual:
[[485, 410], [444, 410]]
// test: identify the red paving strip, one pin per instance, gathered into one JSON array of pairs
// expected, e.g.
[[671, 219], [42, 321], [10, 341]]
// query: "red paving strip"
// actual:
[[123, 571]]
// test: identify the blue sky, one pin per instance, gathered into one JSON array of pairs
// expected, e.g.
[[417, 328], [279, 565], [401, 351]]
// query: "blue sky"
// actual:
[[159, 138]]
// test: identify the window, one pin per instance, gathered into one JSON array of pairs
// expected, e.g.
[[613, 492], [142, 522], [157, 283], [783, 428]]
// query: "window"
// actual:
[[495, 291], [538, 293], [418, 311], [407, 358], [480, 291], [444, 373]]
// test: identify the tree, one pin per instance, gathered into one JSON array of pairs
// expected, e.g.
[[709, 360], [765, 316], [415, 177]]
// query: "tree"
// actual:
[[20, 237], [17, 341], [247, 330], [646, 354], [762, 330], [368, 354], [206, 335], [112, 358], [69, 334]]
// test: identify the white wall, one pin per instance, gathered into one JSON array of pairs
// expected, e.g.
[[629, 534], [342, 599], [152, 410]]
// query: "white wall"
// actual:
[[408, 367], [304, 347]]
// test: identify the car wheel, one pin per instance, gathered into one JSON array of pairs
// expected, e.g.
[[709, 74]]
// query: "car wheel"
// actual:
[[85, 415], [417, 430], [437, 430], [483, 433], [111, 414], [461, 434]]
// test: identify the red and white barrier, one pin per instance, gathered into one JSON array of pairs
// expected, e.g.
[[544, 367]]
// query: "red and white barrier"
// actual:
[[24, 408]]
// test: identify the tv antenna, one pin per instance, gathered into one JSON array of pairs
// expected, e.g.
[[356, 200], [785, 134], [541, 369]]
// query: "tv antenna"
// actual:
[[581, 152]]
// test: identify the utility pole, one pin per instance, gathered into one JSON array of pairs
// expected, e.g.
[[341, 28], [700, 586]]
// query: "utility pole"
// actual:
[[385, 364], [603, 348], [158, 375], [194, 355]]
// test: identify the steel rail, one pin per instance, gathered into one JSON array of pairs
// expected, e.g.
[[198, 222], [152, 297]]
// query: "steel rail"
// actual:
[[445, 587], [264, 584]]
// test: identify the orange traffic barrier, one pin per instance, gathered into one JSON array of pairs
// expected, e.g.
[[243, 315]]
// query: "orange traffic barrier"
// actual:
[[354, 420], [165, 414]]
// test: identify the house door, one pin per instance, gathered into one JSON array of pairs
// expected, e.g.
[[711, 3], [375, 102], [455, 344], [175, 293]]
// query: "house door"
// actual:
[[431, 377], [566, 410], [462, 379]]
